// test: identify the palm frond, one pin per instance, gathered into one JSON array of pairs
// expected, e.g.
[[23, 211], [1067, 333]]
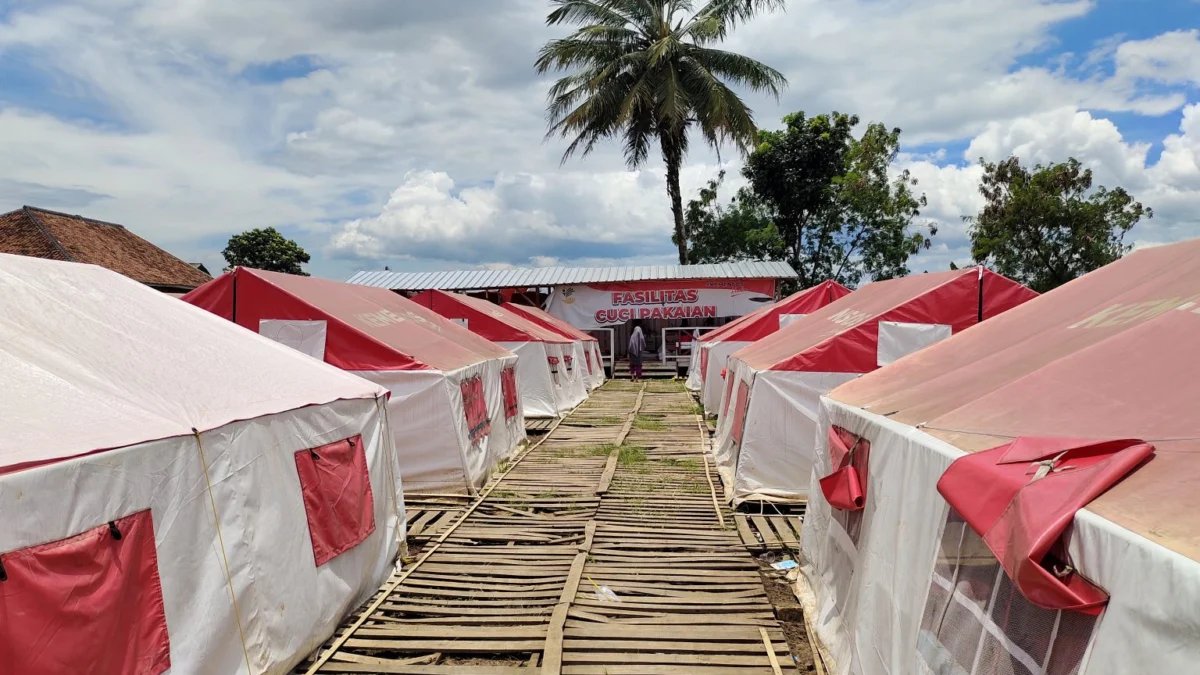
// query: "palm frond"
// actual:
[[716, 19], [601, 12], [739, 70]]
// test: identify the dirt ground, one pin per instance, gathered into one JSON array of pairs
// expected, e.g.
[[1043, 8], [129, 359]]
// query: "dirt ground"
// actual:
[[789, 614]]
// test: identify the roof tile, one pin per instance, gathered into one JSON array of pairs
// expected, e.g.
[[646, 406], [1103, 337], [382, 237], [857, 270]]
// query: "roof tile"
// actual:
[[41, 233]]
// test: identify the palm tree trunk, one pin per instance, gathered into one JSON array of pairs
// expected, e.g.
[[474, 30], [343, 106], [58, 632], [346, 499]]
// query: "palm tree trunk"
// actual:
[[673, 158]]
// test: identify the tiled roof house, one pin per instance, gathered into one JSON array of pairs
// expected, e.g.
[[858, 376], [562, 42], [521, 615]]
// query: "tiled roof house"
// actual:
[[47, 234]]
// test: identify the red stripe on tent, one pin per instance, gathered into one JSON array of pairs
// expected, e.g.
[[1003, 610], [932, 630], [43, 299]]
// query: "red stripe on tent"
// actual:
[[367, 328], [91, 603], [548, 320], [487, 319], [765, 321]]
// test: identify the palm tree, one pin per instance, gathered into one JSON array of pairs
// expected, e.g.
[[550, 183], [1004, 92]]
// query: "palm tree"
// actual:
[[646, 71]]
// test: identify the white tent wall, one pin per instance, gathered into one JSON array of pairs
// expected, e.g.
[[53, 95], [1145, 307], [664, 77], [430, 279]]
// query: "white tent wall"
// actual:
[[776, 454], [867, 585], [507, 434], [286, 604], [539, 396], [597, 364], [572, 386], [725, 449], [583, 355], [693, 377], [429, 431], [712, 388]]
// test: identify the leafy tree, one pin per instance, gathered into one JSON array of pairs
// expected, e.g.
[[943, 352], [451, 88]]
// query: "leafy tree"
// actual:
[[741, 230], [820, 199], [1046, 226], [647, 71], [265, 249]]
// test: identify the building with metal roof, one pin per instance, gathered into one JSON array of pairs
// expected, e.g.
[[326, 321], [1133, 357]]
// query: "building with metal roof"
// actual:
[[477, 280]]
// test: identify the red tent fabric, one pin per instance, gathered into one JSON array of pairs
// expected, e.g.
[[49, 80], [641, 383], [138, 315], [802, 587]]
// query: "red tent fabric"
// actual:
[[765, 321], [710, 355], [551, 382], [548, 320], [788, 371], [842, 337], [368, 328], [587, 345], [1101, 357], [446, 439], [487, 319], [1111, 355]]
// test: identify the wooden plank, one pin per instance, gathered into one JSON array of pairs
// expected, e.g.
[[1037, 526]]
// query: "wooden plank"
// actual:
[[765, 531], [770, 651], [747, 536], [552, 651], [508, 576]]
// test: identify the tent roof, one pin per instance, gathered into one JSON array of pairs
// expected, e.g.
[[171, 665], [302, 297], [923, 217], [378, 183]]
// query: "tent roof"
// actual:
[[372, 328], [548, 320], [93, 360], [487, 319], [765, 320], [842, 336], [1106, 356]]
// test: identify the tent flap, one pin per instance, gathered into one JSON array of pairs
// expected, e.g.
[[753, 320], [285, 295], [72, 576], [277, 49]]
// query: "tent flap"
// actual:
[[52, 598], [846, 487], [337, 496], [1021, 497]]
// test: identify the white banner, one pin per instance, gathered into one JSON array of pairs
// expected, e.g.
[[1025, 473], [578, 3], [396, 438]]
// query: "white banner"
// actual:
[[605, 305]]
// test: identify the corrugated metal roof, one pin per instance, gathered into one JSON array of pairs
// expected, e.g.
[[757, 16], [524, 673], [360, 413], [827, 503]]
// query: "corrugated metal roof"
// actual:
[[463, 280]]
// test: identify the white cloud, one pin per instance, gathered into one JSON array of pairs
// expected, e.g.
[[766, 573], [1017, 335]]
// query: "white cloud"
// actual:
[[1066, 132], [517, 218], [1171, 186], [418, 137]]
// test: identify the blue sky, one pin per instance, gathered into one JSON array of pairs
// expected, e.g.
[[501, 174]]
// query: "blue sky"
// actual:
[[410, 134]]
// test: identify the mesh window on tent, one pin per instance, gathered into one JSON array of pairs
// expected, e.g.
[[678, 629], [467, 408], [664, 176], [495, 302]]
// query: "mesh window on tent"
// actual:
[[976, 622], [90, 603], [337, 497]]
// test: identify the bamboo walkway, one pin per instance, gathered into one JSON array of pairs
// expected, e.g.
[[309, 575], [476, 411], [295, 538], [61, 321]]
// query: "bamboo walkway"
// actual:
[[618, 496]]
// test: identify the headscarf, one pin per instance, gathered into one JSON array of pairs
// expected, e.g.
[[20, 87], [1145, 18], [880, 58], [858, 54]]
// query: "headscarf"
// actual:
[[637, 341]]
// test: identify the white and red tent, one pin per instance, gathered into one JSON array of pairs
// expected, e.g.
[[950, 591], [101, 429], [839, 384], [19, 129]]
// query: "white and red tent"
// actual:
[[766, 433], [1026, 492], [587, 347], [551, 382], [715, 347], [179, 495], [453, 406]]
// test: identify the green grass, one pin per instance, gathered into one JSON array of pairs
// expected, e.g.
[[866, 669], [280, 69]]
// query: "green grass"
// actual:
[[689, 464], [646, 423], [586, 451], [608, 421], [631, 455]]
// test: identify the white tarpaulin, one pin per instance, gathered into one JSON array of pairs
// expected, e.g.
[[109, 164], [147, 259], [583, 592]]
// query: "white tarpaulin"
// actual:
[[123, 405]]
